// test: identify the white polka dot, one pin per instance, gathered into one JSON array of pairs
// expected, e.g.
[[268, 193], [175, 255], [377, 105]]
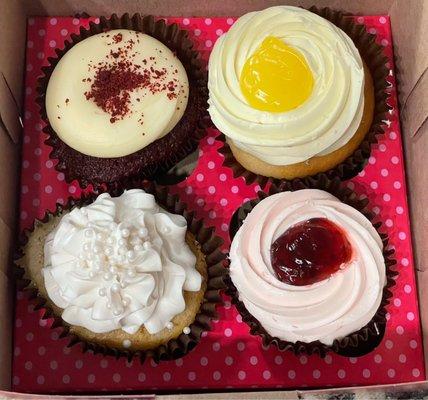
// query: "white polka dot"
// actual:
[[240, 346], [389, 344], [40, 55], [415, 372], [16, 351], [104, 363], [219, 32], [278, 360], [222, 177], [66, 379], [402, 358], [40, 380], [189, 189], [229, 21], [54, 365], [48, 189], [316, 373], [393, 136], [253, 360], [76, 21], [376, 210], [239, 318], [399, 210], [204, 361], [211, 190], [372, 160], [291, 374], [404, 262], [228, 332], [52, 43], [66, 350], [395, 160], [360, 20], [49, 164], [223, 202], [217, 375], [241, 375], [228, 360], [410, 316], [362, 173], [382, 147], [388, 316], [374, 185], [179, 362], [234, 189], [353, 360], [303, 360], [377, 358], [224, 227], [30, 44], [72, 189], [53, 21], [328, 359], [28, 365], [341, 373], [351, 185], [216, 346], [197, 32], [372, 31], [60, 177], [60, 201], [116, 377], [167, 376], [64, 32], [37, 177], [200, 202], [200, 177], [29, 336], [407, 289], [402, 236], [413, 344], [208, 43], [397, 302], [210, 140], [389, 223], [191, 376], [211, 165], [384, 172], [266, 375], [386, 197], [42, 32], [41, 350], [366, 373], [384, 42], [391, 373], [91, 378], [208, 21], [382, 20], [186, 21]]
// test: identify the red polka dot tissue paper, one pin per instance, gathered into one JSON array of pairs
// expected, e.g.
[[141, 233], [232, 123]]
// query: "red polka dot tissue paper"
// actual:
[[228, 356]]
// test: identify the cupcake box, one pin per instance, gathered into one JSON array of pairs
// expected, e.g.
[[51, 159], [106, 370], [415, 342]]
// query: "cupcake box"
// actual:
[[227, 358]]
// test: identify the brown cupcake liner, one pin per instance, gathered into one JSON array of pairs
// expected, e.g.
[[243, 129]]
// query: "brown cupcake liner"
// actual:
[[178, 146], [356, 344], [216, 283], [373, 56]]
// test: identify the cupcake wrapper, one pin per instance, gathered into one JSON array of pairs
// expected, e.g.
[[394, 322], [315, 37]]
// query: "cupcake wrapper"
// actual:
[[356, 344], [372, 54], [175, 348], [178, 41]]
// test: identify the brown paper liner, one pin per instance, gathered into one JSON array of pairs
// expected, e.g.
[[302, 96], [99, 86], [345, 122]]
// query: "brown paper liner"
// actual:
[[158, 156], [175, 348], [373, 56], [356, 344]]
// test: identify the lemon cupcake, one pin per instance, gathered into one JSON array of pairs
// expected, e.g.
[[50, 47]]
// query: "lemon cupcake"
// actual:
[[291, 93]]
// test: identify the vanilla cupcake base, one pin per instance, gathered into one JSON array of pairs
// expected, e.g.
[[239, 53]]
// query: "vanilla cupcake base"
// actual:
[[318, 163], [33, 261]]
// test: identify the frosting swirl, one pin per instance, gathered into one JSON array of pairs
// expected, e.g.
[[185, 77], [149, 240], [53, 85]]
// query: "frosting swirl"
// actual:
[[324, 311], [120, 263], [326, 121]]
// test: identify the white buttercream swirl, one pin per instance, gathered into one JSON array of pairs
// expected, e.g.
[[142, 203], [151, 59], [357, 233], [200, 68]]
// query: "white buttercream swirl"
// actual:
[[120, 263], [326, 121], [327, 310]]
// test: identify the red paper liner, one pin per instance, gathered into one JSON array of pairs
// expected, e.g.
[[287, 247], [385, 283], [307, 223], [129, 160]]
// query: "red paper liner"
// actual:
[[175, 348], [356, 344], [157, 157], [372, 54]]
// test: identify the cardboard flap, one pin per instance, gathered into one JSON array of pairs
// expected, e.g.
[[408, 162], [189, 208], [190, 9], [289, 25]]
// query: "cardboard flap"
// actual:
[[10, 119]]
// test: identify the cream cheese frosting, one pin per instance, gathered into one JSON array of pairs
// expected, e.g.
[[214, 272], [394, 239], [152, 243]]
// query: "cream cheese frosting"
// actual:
[[326, 121], [326, 310], [116, 92], [120, 263]]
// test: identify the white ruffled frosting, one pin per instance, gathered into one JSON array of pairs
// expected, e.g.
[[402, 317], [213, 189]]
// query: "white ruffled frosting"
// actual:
[[120, 263], [326, 310], [326, 121]]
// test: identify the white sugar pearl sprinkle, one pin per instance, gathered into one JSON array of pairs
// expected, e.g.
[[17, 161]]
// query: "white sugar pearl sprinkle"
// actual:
[[186, 330]]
